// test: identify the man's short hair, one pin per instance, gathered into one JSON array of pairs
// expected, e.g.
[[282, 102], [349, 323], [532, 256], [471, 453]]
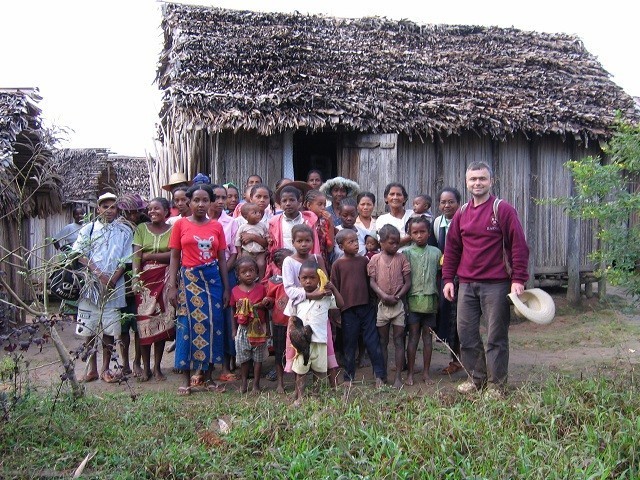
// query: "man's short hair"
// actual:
[[479, 165]]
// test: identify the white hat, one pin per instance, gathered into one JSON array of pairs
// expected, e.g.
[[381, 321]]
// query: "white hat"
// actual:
[[535, 305], [106, 196]]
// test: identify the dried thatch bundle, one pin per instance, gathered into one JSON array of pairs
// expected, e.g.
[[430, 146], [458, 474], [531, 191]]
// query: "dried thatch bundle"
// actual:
[[28, 185], [270, 72]]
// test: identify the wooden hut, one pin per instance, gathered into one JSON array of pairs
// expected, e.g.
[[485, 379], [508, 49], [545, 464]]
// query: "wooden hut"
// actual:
[[378, 100], [29, 188], [87, 173]]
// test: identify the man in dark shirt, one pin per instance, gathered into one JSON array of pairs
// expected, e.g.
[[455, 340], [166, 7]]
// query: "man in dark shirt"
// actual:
[[490, 256]]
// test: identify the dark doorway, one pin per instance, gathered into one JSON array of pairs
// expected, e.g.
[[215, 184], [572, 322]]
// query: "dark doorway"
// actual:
[[315, 151]]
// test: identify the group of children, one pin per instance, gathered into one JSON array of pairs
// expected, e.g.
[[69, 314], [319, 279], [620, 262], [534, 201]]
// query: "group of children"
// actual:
[[349, 285]]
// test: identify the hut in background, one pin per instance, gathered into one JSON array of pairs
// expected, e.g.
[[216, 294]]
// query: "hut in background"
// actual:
[[377, 100], [87, 173], [29, 188]]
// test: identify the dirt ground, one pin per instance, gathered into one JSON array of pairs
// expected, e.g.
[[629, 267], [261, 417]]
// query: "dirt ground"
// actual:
[[599, 336]]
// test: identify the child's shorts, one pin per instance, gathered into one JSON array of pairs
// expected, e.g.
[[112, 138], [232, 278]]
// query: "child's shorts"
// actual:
[[390, 314], [245, 351], [93, 320], [317, 360], [423, 319]]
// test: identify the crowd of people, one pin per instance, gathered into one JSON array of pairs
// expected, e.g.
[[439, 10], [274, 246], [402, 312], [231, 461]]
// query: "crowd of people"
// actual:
[[229, 275]]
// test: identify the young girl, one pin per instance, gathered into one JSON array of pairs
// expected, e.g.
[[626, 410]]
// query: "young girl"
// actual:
[[233, 198], [250, 327], [348, 215], [423, 295], [390, 277], [181, 203], [279, 299], [251, 237], [303, 243], [316, 202], [371, 245], [290, 198]]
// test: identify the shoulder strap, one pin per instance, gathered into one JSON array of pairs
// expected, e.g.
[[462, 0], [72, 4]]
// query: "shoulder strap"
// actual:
[[464, 207], [496, 203]]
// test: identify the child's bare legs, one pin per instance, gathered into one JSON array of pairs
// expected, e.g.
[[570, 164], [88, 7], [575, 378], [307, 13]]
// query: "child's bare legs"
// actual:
[[146, 362], [261, 260], [257, 372], [280, 377], [244, 375], [332, 375], [383, 331], [300, 379], [412, 348], [124, 351], [108, 346], [427, 350], [398, 342]]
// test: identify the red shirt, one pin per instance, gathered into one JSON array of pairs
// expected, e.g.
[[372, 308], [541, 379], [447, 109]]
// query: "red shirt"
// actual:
[[474, 251], [200, 244], [275, 290], [255, 296]]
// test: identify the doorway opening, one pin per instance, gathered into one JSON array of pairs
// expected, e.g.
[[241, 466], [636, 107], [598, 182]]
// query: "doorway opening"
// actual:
[[315, 151]]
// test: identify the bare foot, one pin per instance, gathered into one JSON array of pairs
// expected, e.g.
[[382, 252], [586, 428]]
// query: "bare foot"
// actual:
[[427, 379], [280, 389], [256, 390], [244, 388], [409, 380], [297, 402], [159, 376], [137, 371], [379, 383], [347, 384], [144, 377], [398, 383], [90, 377]]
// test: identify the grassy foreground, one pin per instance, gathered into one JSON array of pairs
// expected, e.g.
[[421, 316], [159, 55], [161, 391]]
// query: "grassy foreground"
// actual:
[[562, 428]]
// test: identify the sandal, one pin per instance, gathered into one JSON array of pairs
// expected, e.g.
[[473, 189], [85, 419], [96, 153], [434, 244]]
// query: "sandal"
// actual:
[[183, 391], [109, 377], [197, 380], [228, 377], [452, 368]]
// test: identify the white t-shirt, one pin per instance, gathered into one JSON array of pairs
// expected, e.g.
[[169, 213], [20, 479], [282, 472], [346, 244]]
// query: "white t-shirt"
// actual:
[[314, 313], [399, 223]]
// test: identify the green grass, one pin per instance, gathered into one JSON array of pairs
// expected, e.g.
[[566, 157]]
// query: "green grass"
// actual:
[[562, 428]]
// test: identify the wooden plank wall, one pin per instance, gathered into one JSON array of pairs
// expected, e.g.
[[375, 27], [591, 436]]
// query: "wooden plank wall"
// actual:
[[233, 157], [524, 170]]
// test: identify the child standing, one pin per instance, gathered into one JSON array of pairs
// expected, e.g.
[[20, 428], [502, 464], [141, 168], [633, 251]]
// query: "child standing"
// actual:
[[348, 215], [316, 202], [423, 295], [390, 275], [251, 237], [250, 327], [278, 298], [349, 275], [314, 313], [303, 244], [290, 197]]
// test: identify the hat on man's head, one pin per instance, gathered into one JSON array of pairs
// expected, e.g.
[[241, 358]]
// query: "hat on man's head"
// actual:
[[304, 187], [131, 202], [106, 196], [535, 305], [176, 179], [201, 178], [350, 186]]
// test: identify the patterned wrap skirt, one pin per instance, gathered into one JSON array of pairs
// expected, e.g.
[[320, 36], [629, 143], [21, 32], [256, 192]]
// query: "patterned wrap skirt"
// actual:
[[200, 321]]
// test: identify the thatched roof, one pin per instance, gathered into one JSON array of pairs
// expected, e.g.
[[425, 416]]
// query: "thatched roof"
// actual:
[[89, 172], [271, 72], [27, 184]]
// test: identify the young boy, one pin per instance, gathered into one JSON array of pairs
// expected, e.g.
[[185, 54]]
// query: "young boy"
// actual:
[[256, 244], [278, 298], [315, 314], [422, 299], [349, 275], [250, 328], [348, 215], [390, 275], [422, 206]]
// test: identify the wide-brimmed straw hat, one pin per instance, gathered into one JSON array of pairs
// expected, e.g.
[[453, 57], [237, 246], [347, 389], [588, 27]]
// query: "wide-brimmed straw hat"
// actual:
[[176, 179], [350, 186], [535, 305], [304, 187]]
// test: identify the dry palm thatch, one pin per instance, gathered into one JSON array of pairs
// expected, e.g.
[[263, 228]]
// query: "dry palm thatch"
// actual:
[[89, 172], [28, 185], [270, 72]]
